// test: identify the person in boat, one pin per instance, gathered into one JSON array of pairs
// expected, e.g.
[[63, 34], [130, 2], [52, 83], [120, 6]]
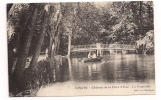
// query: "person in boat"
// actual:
[[92, 55]]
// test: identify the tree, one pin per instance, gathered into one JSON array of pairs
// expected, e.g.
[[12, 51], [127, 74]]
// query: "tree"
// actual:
[[42, 32], [24, 46]]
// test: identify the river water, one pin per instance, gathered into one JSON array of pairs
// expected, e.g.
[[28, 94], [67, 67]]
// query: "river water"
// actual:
[[113, 70]]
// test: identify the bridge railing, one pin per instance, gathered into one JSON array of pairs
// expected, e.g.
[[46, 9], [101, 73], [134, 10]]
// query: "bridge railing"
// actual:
[[88, 46], [111, 45], [103, 46]]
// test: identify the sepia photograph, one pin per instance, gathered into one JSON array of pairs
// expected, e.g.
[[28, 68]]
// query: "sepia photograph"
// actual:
[[81, 48]]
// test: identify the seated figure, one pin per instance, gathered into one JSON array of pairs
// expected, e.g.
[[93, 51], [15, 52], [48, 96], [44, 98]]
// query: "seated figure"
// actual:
[[92, 55]]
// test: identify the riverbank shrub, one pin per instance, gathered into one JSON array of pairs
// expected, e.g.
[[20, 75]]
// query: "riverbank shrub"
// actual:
[[34, 79], [146, 44]]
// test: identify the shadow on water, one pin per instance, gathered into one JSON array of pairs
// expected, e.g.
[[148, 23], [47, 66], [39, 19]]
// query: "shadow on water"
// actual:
[[113, 68]]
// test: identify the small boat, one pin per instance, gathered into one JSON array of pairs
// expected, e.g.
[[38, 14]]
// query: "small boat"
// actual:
[[98, 59]]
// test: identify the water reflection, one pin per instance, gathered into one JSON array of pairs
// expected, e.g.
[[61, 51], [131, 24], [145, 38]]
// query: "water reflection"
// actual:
[[62, 72], [113, 68]]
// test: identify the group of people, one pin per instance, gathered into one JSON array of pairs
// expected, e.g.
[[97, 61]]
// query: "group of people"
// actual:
[[93, 54]]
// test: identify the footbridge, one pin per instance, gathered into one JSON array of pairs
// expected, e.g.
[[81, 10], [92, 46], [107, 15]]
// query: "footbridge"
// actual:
[[103, 47]]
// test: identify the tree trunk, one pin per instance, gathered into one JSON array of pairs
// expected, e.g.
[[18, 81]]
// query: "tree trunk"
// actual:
[[50, 46], [40, 41], [54, 28], [10, 61], [69, 44], [57, 45], [57, 38], [53, 46], [140, 18], [21, 61], [72, 27]]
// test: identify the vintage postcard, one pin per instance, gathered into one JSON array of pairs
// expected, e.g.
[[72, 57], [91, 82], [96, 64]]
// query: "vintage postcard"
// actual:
[[81, 48]]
